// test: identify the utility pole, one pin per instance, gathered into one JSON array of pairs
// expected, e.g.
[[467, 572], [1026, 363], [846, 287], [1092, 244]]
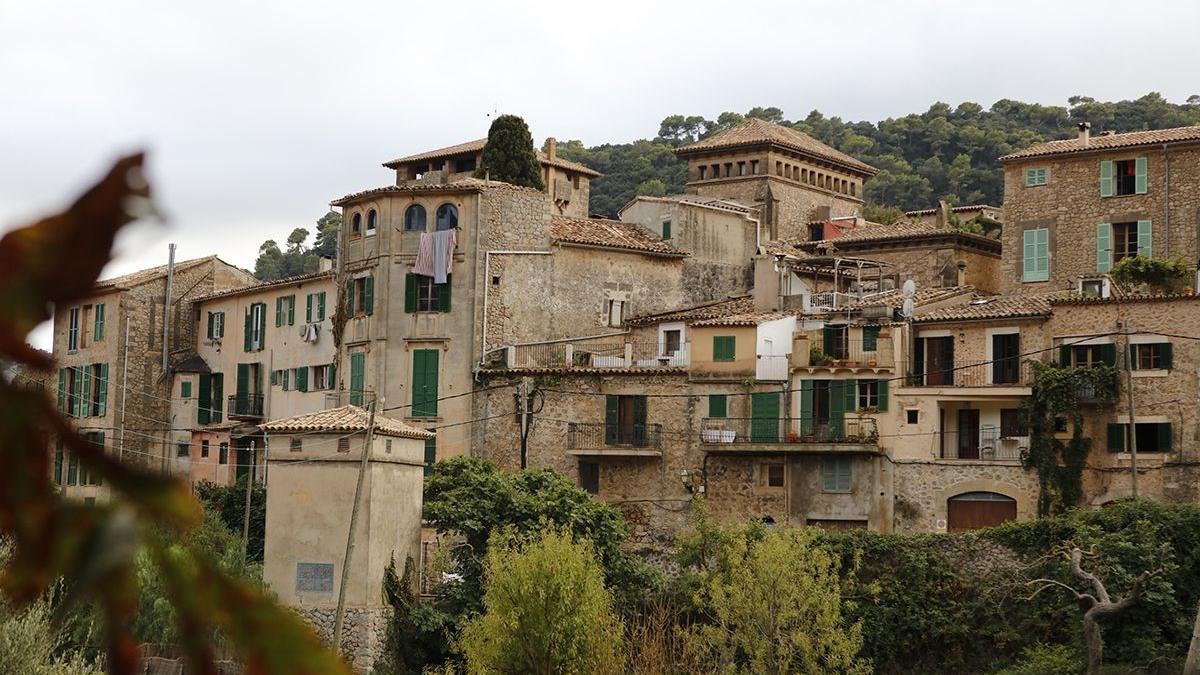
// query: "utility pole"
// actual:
[[362, 472], [246, 515], [1126, 325]]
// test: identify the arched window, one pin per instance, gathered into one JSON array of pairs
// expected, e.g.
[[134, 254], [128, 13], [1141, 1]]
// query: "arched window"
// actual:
[[372, 221], [447, 217], [414, 218], [356, 224]]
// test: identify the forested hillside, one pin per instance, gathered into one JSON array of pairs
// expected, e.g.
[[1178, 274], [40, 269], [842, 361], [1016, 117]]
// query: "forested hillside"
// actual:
[[943, 153]]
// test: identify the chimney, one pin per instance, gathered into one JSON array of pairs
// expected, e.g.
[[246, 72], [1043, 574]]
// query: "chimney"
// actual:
[[324, 264], [1085, 133], [551, 149]]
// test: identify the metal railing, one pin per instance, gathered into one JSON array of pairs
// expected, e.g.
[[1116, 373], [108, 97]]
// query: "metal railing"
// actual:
[[598, 436], [877, 352], [984, 443], [594, 354], [740, 430], [245, 405], [1002, 373]]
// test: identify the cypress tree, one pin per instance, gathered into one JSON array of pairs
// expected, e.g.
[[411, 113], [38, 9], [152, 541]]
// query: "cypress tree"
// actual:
[[509, 155]]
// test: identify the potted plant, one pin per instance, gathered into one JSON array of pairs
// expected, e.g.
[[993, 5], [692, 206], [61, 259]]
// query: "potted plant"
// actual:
[[817, 357]]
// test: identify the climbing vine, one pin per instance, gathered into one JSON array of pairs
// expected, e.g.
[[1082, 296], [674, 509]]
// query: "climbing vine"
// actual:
[[1059, 392]]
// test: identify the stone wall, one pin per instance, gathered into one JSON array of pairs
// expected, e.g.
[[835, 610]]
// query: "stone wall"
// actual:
[[932, 264], [922, 488], [364, 630], [1070, 206]]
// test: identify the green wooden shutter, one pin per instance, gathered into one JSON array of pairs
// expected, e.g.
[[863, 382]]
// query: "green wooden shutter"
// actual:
[[262, 326], [243, 387], [724, 347], [1106, 178], [292, 309], [287, 378], [358, 367], [102, 391], [612, 419], [806, 408], [666, 229], [1103, 247], [58, 462], [837, 406], [444, 295], [1116, 437], [764, 413], [1064, 355], [718, 405], [85, 401], [279, 311], [96, 479], [203, 413], [302, 378], [1164, 436], [1133, 359], [1145, 235], [369, 296], [321, 306], [218, 397], [332, 378], [98, 325], [883, 395], [870, 338], [1168, 355], [350, 298], [246, 347], [639, 421], [410, 293], [62, 389], [1140, 175], [72, 469], [1030, 177], [209, 332], [308, 307], [425, 383], [1108, 354], [274, 377]]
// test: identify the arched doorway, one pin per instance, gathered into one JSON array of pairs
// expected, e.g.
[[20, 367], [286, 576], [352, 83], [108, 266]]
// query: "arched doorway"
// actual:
[[973, 510]]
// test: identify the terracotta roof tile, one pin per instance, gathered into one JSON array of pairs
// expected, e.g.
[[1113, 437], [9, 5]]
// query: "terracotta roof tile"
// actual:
[[151, 273], [477, 146], [757, 132], [709, 310], [586, 370], [873, 232], [454, 186], [1096, 142], [993, 307], [610, 234], [955, 209], [267, 285], [347, 418], [1073, 299], [747, 319], [923, 297]]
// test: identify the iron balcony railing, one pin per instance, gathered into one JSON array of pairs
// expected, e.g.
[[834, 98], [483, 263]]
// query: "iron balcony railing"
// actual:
[[1013, 372], [876, 353], [245, 405], [984, 443], [739, 430], [599, 436]]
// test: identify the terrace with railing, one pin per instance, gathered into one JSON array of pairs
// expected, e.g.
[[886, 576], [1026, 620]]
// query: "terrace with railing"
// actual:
[[985, 443], [245, 406], [1014, 372], [609, 352], [873, 353], [591, 438], [734, 432]]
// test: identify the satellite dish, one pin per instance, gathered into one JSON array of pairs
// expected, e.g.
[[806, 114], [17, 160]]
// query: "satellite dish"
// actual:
[[907, 310], [909, 289]]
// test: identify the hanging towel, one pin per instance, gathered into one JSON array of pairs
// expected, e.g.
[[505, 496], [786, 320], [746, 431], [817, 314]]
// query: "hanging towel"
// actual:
[[424, 264], [443, 254]]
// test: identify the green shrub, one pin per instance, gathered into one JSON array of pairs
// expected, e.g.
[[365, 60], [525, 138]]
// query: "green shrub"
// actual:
[[1043, 659], [1160, 275]]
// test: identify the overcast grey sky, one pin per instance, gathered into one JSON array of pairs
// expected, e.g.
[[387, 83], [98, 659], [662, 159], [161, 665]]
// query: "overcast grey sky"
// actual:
[[257, 114]]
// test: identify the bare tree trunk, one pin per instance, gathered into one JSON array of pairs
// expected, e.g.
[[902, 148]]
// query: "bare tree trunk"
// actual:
[[1095, 643], [1192, 666]]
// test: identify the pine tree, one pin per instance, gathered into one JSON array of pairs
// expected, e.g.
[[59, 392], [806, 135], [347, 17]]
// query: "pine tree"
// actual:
[[509, 155]]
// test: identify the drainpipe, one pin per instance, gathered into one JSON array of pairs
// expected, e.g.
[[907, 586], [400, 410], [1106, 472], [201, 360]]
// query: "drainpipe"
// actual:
[[487, 283]]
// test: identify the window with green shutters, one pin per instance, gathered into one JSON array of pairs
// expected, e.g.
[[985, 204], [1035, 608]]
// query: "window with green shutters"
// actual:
[[430, 454], [1151, 437], [314, 310], [422, 295], [870, 338], [358, 372], [425, 382], [285, 310], [256, 327], [361, 299], [1035, 177], [724, 347], [873, 394], [1036, 255], [185, 389], [1124, 177], [1152, 356], [666, 229], [302, 378], [72, 469], [1104, 247], [98, 322], [216, 325], [718, 405], [218, 397], [625, 420], [836, 474]]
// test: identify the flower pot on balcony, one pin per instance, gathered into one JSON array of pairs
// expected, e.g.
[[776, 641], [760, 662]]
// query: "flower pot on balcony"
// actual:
[[872, 362]]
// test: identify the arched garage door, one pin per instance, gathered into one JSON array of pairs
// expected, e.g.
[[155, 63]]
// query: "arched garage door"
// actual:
[[973, 510]]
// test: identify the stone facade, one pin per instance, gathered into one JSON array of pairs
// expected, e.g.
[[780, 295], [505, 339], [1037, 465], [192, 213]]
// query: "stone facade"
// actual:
[[1070, 206], [364, 632], [933, 262]]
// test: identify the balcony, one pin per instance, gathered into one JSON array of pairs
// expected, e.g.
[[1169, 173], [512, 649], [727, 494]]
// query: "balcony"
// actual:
[[789, 434], [1006, 373], [597, 439], [985, 443], [595, 354], [245, 406], [772, 367], [876, 354]]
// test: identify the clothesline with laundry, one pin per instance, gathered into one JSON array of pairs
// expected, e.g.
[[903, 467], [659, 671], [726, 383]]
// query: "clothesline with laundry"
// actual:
[[435, 254]]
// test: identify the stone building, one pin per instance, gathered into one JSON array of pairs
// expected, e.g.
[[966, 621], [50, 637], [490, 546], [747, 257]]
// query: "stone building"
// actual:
[[314, 466], [263, 352], [962, 213], [792, 177], [110, 351], [1074, 208]]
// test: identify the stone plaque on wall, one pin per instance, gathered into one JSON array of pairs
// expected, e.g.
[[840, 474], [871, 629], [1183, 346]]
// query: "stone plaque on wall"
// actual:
[[314, 577]]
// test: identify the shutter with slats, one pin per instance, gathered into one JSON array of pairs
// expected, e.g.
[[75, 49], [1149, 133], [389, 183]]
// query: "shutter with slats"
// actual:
[[1145, 238], [58, 462], [209, 333], [718, 405], [612, 419], [278, 311], [62, 389], [72, 469], [218, 397], [291, 303], [98, 326], [1140, 177], [369, 296], [249, 332], [350, 298], [639, 421], [1103, 247], [1116, 437], [243, 388], [262, 326], [1168, 355], [1164, 436], [358, 368], [1133, 357], [308, 308], [1106, 178], [102, 391], [1108, 354], [203, 405], [302, 378], [837, 406], [806, 408], [410, 293], [425, 382], [321, 306], [85, 401], [444, 295], [883, 395], [870, 338]]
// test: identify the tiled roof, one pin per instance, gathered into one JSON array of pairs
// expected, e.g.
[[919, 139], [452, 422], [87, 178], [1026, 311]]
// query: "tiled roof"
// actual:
[[1130, 139], [477, 146], [194, 363], [696, 200], [747, 319], [923, 297], [151, 273], [875, 232], [993, 307], [454, 186], [757, 132], [779, 247], [610, 234], [709, 310], [267, 285], [955, 209], [585, 370], [1073, 299], [347, 418]]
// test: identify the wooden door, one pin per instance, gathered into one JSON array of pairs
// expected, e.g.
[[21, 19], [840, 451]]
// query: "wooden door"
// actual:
[[968, 433], [940, 361], [974, 510]]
